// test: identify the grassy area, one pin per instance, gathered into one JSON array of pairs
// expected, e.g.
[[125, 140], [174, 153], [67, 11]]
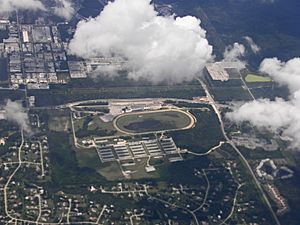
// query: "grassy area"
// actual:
[[223, 94], [62, 96], [139, 171], [61, 123], [203, 136], [270, 92], [153, 121], [65, 169], [289, 188], [12, 95], [112, 170], [260, 153], [93, 126], [252, 78], [97, 123]]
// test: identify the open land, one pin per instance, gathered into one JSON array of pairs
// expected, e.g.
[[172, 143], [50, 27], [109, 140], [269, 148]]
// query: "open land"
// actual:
[[121, 151], [252, 78]]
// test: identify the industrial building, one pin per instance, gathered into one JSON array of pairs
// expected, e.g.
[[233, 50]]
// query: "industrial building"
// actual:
[[222, 73], [124, 150]]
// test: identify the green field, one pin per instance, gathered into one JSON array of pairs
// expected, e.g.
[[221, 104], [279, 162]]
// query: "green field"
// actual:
[[61, 96], [91, 126], [252, 78], [153, 121], [59, 123]]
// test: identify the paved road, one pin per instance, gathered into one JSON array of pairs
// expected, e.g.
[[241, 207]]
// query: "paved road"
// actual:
[[244, 160], [12, 175], [95, 101]]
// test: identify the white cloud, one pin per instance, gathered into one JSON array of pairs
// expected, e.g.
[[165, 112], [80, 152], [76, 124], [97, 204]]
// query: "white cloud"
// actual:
[[12, 5], [268, 1], [254, 47], [235, 53], [278, 114], [285, 73], [157, 48], [16, 113], [64, 9]]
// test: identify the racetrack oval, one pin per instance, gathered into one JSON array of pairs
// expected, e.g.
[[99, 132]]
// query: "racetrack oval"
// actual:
[[154, 121]]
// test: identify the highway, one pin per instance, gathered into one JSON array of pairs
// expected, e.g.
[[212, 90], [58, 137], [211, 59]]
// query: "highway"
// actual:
[[244, 160], [210, 101]]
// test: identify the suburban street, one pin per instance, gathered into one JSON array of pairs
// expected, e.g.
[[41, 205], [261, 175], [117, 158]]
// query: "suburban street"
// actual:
[[244, 160]]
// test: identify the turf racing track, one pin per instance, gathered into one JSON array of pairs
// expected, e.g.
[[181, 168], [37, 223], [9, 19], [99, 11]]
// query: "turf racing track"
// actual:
[[122, 120]]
